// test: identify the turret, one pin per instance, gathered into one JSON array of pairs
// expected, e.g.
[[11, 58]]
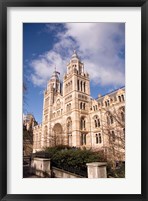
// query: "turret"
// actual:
[[75, 65], [54, 83]]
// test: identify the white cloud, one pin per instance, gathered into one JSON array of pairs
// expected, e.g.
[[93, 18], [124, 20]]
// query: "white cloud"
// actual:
[[100, 45]]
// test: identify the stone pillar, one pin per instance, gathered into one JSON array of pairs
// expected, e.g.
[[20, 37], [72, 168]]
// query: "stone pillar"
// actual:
[[96, 170], [41, 167]]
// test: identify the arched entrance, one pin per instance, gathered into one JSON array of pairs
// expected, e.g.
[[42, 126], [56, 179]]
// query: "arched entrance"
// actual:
[[57, 134]]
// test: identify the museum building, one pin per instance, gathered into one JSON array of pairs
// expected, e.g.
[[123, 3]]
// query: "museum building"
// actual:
[[72, 117]]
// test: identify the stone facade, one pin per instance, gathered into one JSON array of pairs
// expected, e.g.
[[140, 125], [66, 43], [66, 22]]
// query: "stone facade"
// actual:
[[72, 117]]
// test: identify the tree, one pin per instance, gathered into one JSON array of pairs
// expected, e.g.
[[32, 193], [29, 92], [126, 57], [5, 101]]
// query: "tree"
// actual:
[[113, 128], [28, 124]]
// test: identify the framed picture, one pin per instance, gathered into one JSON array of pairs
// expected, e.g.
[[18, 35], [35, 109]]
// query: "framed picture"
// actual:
[[66, 68]]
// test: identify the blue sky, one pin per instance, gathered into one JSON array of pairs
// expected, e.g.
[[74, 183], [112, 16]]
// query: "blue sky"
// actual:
[[101, 46]]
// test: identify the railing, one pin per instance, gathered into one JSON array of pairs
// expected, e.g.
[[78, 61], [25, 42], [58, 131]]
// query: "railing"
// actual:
[[76, 170]]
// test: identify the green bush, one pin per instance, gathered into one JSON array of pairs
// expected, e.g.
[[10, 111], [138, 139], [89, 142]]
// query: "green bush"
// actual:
[[118, 172], [65, 156]]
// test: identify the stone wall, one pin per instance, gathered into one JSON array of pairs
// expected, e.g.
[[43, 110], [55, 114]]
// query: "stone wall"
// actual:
[[42, 167], [59, 173]]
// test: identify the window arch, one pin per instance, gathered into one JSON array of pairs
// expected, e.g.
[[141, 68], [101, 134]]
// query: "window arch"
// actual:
[[83, 123], [100, 138], [97, 139], [119, 97], [96, 121], [83, 106], [78, 85], [81, 85], [84, 86]]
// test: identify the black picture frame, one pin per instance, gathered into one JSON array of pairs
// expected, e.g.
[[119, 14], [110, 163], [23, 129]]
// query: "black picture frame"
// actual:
[[4, 4]]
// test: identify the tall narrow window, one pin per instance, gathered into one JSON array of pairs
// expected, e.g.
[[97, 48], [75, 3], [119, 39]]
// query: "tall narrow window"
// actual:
[[82, 123], [97, 139], [95, 123], [100, 139], [84, 86], [81, 126], [122, 96], [108, 103], [84, 135], [119, 97], [81, 85], [78, 84], [98, 122], [81, 139], [81, 105]]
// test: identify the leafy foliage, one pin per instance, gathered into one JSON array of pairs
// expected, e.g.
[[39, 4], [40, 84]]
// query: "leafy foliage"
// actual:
[[118, 172], [65, 156]]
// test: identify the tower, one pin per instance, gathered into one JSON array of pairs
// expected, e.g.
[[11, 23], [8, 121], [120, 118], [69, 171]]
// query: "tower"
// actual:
[[76, 93], [50, 94]]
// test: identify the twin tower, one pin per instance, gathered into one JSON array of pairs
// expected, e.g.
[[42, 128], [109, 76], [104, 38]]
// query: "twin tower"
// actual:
[[66, 109]]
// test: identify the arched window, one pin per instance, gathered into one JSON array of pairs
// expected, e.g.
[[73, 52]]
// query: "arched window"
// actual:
[[108, 103], [81, 105], [81, 85], [119, 97], [84, 86], [82, 123], [68, 107], [122, 96], [97, 139], [98, 122], [100, 139], [78, 85]]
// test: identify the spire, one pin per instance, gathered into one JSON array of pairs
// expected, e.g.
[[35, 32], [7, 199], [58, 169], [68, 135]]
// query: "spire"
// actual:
[[75, 54], [55, 74]]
